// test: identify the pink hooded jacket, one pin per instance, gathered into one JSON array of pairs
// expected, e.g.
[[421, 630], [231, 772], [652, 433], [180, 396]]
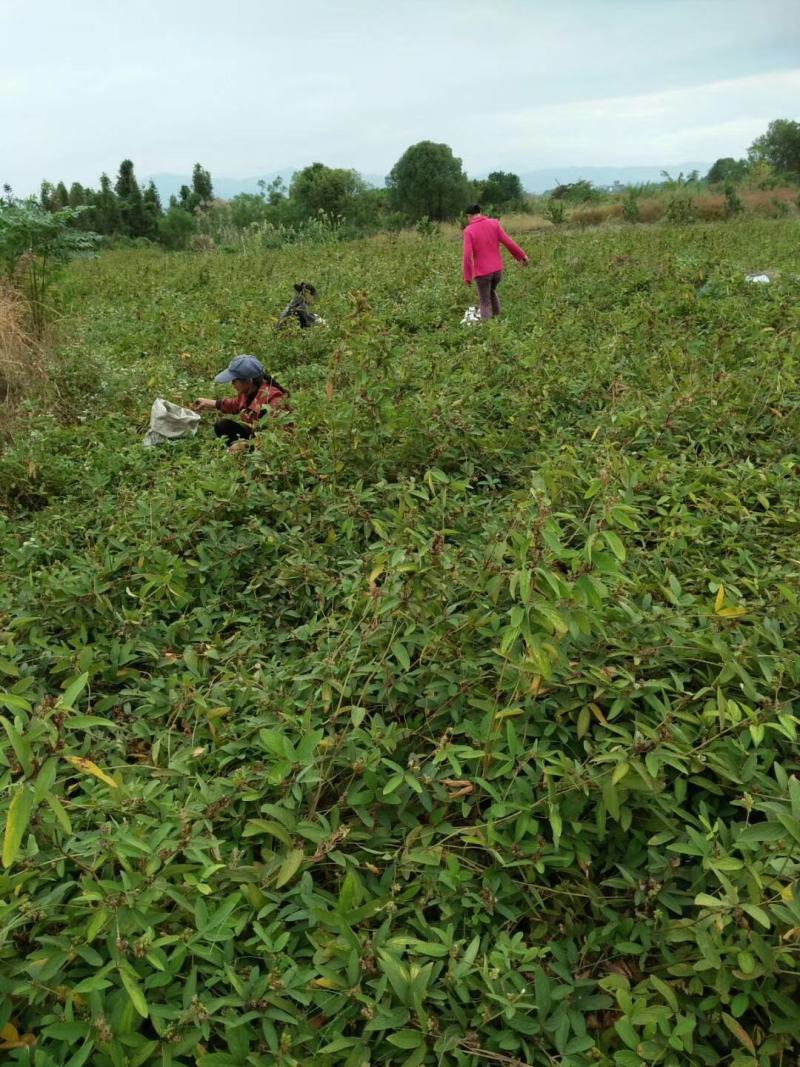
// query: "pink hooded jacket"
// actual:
[[482, 239]]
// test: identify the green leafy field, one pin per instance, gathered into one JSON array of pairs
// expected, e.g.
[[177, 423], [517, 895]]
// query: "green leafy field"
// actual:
[[457, 723]]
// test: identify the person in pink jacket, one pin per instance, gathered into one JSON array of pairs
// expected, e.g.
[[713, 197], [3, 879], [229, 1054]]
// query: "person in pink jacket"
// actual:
[[482, 260]]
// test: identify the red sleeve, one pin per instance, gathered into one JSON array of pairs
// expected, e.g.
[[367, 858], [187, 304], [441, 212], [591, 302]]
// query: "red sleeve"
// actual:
[[269, 397], [469, 267], [512, 246], [230, 405]]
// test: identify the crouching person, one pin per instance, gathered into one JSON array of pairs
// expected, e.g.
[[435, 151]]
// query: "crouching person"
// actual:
[[300, 307], [257, 394]]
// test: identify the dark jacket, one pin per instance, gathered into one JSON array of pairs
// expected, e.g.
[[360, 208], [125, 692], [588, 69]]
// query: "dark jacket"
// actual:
[[300, 310]]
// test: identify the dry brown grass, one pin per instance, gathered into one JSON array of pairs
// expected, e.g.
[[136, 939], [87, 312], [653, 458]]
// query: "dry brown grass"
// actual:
[[597, 215], [769, 203], [652, 210], [710, 208], [22, 362]]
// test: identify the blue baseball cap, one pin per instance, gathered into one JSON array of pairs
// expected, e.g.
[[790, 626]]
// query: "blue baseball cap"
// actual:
[[245, 368]]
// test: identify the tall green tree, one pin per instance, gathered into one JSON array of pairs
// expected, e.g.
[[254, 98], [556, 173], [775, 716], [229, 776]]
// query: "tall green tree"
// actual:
[[107, 214], [185, 199], [131, 204], [428, 180], [330, 189], [727, 169], [501, 189], [176, 226], [201, 184], [62, 195], [77, 196], [152, 208], [247, 209], [47, 194], [779, 147]]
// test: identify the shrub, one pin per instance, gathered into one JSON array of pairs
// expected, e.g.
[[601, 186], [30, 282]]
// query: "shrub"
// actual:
[[631, 211], [201, 242], [555, 212], [733, 203], [176, 227], [580, 192], [681, 208], [33, 243]]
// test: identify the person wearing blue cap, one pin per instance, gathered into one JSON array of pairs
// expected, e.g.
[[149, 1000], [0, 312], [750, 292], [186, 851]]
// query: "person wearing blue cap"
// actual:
[[256, 394]]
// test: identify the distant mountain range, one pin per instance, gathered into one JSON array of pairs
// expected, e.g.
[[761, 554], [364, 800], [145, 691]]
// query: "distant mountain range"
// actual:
[[534, 181]]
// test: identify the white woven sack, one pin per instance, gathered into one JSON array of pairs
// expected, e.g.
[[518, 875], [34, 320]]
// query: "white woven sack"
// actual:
[[170, 421]]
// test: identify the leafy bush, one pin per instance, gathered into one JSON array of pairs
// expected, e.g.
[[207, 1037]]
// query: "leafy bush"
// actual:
[[555, 212], [733, 203], [580, 192], [681, 208], [457, 722], [33, 242]]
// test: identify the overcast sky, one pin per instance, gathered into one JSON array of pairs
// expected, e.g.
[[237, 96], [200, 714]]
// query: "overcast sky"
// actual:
[[252, 86]]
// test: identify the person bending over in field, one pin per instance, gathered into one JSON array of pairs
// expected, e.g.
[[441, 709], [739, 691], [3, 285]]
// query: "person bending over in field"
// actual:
[[482, 260], [300, 306], [257, 393]]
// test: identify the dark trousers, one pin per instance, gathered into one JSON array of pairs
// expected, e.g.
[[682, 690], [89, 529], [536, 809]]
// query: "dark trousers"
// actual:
[[487, 293], [232, 430]]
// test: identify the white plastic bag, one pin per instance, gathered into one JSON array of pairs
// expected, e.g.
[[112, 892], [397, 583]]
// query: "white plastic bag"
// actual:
[[471, 316], [759, 279], [170, 421]]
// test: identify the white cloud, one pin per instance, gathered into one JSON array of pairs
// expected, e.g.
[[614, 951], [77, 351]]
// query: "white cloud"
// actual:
[[718, 118], [254, 85]]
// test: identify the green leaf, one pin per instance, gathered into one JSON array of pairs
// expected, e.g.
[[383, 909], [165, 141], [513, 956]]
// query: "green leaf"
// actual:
[[704, 900], [259, 827], [96, 924], [627, 1033], [86, 722], [401, 655], [19, 813], [59, 811], [615, 544], [556, 823], [12, 702], [290, 866], [22, 749], [130, 981], [757, 913], [584, 721], [739, 1032], [73, 691], [406, 1039], [666, 991]]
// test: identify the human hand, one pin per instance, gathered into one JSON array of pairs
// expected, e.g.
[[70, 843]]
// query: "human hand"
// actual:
[[204, 404]]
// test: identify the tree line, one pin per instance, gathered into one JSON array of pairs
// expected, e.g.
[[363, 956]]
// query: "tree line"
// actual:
[[125, 208], [427, 182]]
